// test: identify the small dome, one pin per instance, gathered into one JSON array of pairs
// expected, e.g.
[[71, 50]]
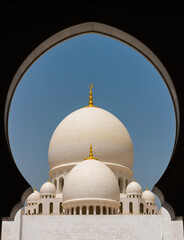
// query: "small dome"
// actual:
[[33, 197], [148, 196], [91, 179], [134, 188], [48, 188]]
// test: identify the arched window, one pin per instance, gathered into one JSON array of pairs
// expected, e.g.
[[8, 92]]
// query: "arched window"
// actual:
[[141, 208], [55, 183], [29, 212], [72, 211], [61, 184], [104, 211], [153, 211], [77, 211], [35, 211], [126, 183], [120, 180], [121, 207], [84, 210], [110, 211], [91, 210], [51, 208], [119, 183], [97, 210], [130, 207], [60, 208], [40, 206], [147, 210]]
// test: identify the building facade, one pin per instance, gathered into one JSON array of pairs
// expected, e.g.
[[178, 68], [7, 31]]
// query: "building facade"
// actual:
[[91, 194]]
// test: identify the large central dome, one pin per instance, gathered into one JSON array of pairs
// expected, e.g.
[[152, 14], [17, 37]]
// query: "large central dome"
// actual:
[[90, 125]]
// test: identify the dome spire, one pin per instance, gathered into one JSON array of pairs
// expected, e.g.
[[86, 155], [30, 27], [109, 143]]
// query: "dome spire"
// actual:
[[90, 95], [91, 154], [90, 104]]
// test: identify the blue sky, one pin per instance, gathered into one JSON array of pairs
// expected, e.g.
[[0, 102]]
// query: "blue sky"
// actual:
[[125, 84]]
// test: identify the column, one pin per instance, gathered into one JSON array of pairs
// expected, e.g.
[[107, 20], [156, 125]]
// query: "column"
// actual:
[[94, 210], [101, 210], [70, 211], [57, 185], [87, 210]]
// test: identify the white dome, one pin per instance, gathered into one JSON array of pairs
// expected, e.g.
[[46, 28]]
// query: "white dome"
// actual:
[[90, 125], [33, 197], [91, 179], [148, 196], [48, 188], [134, 188]]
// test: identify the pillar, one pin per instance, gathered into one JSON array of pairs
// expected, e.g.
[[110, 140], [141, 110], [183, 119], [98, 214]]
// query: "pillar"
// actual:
[[94, 210], [124, 185], [87, 210], [101, 210], [57, 186]]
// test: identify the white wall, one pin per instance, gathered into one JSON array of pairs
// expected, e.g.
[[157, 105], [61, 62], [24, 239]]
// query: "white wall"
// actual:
[[93, 227], [11, 229]]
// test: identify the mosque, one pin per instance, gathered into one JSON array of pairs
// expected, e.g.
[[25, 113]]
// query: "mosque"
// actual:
[[91, 194]]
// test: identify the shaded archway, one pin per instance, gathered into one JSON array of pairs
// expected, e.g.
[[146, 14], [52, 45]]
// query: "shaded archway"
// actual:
[[61, 184], [121, 207], [55, 183], [130, 207], [77, 210], [104, 211], [40, 208], [60, 208], [51, 207], [91, 210], [84, 210], [141, 208], [120, 181], [97, 210]]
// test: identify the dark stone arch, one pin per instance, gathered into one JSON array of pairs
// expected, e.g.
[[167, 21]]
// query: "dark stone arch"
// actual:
[[166, 47]]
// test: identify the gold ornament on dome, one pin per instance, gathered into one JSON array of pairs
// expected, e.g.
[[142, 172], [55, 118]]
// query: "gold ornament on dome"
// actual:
[[90, 96], [91, 154]]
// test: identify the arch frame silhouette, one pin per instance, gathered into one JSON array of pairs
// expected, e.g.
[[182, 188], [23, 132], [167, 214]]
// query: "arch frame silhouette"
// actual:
[[109, 31]]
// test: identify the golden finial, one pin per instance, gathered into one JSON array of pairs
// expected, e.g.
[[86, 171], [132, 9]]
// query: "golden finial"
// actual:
[[133, 180], [48, 180], [91, 154], [146, 188], [34, 188], [90, 95]]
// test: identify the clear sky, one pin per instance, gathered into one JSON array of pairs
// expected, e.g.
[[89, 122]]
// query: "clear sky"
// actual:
[[125, 84]]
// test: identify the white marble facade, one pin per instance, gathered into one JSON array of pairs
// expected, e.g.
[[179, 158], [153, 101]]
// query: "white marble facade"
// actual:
[[91, 197], [93, 227]]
